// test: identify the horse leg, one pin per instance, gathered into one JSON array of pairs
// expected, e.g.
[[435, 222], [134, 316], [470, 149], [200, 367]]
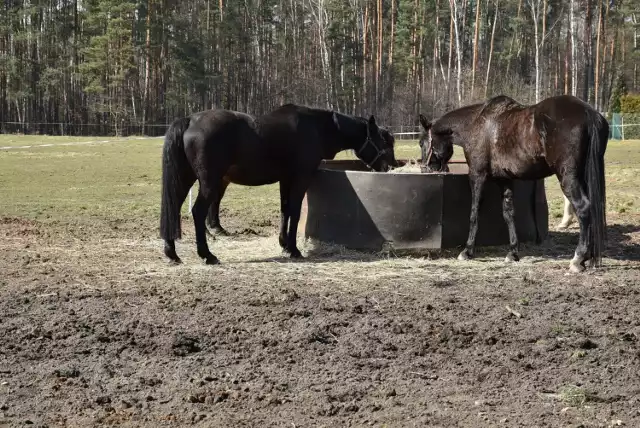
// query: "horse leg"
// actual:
[[284, 212], [477, 185], [569, 215], [206, 195], [508, 213], [214, 211], [182, 190], [574, 191], [294, 207]]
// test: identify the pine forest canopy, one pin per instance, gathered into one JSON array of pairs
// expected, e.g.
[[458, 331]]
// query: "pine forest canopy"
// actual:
[[138, 63]]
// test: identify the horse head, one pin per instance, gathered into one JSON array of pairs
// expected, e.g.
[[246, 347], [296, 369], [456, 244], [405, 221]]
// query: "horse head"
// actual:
[[436, 146], [375, 147]]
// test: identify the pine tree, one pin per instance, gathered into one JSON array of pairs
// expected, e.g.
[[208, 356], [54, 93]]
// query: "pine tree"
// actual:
[[619, 91]]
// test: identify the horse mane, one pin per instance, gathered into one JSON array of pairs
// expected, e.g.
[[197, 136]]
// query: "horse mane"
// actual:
[[497, 105], [454, 119], [387, 135]]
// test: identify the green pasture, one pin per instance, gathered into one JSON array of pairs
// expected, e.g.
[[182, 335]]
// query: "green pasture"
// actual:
[[117, 183]]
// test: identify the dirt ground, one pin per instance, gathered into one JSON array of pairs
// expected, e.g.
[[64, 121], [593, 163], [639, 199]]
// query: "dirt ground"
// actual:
[[97, 329]]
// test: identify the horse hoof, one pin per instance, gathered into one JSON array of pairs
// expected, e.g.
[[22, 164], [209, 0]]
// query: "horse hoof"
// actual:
[[511, 257], [172, 255], [175, 262], [211, 260], [219, 231], [576, 267], [283, 243], [464, 255], [296, 254]]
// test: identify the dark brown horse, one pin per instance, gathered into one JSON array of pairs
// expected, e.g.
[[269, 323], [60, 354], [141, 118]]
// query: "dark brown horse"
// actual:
[[217, 147], [505, 140], [213, 218]]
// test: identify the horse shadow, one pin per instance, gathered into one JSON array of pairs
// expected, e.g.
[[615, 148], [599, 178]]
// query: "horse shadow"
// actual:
[[559, 244], [620, 244]]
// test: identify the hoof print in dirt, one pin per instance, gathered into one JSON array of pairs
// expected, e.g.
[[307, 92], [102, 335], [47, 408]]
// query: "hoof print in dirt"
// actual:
[[196, 398], [69, 372], [289, 296], [103, 400], [587, 344], [208, 397], [322, 336], [185, 345]]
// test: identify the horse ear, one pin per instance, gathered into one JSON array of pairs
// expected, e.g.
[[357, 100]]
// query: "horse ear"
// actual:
[[424, 122], [372, 121]]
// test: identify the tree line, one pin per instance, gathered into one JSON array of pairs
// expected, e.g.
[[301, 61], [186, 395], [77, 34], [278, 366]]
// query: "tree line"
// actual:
[[127, 65]]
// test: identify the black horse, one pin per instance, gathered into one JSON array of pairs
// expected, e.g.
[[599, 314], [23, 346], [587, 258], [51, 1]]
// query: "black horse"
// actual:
[[213, 219], [505, 140], [217, 147]]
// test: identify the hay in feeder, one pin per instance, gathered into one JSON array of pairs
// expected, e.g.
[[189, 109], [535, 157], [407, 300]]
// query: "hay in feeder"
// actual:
[[411, 167]]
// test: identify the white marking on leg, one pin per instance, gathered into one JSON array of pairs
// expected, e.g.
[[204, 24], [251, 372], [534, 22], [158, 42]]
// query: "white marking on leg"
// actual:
[[568, 216], [576, 264]]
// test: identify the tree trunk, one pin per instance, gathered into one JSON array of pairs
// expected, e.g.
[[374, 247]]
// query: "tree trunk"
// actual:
[[513, 39], [493, 34], [379, 56], [454, 11], [538, 42], [450, 57], [147, 67], [567, 66], [574, 56], [597, 67], [391, 71], [365, 84], [475, 50], [586, 92]]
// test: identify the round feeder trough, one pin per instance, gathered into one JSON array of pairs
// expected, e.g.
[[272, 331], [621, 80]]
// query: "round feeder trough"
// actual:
[[350, 206]]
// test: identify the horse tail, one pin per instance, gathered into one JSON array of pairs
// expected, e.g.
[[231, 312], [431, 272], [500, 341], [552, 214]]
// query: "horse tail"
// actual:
[[594, 176], [175, 172]]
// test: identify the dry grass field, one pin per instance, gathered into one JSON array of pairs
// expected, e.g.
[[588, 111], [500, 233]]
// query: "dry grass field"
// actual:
[[98, 329]]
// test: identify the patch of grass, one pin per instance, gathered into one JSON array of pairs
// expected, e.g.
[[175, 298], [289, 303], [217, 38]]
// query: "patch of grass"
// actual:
[[556, 330], [574, 396], [579, 354]]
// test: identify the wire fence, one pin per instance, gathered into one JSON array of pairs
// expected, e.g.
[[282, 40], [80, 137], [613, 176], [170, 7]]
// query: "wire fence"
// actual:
[[83, 129], [624, 126], [620, 128], [126, 130]]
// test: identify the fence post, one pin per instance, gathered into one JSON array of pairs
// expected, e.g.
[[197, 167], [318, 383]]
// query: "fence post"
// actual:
[[622, 126]]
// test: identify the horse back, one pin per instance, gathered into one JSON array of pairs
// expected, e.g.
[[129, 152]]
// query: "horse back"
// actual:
[[514, 141], [303, 135], [227, 143], [536, 141]]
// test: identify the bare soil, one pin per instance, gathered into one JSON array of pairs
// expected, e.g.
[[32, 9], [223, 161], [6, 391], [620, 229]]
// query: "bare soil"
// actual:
[[97, 329]]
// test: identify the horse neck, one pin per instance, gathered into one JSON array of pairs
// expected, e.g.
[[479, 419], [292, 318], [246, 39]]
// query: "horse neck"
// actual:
[[352, 141], [460, 121], [334, 144]]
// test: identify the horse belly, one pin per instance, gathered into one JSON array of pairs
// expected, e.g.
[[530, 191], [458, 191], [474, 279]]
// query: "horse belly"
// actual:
[[250, 175], [526, 169]]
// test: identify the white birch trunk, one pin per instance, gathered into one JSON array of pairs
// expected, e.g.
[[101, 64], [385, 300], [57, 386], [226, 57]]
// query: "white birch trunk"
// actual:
[[454, 10]]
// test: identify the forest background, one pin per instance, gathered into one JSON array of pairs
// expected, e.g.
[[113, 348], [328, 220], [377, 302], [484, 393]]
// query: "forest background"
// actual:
[[130, 67]]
